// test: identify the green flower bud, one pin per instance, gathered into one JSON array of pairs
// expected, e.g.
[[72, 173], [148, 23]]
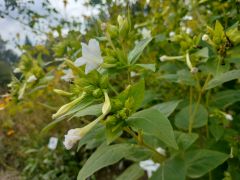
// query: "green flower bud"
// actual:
[[124, 28], [120, 20], [65, 108], [112, 30], [123, 113], [116, 105], [62, 93], [106, 105], [104, 82], [111, 120], [97, 93]]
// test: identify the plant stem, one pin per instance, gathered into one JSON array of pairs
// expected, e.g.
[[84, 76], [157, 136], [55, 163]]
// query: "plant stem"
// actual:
[[161, 158]]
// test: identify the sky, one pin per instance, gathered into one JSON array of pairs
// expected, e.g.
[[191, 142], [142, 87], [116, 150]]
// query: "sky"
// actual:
[[13, 31]]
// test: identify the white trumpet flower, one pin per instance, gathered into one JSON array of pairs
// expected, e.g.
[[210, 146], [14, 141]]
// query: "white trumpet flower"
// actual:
[[91, 56], [75, 135]]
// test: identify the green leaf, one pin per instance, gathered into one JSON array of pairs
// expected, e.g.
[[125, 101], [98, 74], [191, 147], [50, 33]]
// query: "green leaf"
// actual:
[[102, 157], [133, 172], [94, 136], [226, 98], [151, 67], [222, 78], [138, 50], [217, 131], [172, 169], [185, 140], [94, 110], [153, 122], [139, 154], [200, 119], [167, 108], [199, 162], [202, 53], [218, 33]]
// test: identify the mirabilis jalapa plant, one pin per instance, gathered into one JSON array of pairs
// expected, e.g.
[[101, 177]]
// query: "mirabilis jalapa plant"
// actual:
[[170, 140]]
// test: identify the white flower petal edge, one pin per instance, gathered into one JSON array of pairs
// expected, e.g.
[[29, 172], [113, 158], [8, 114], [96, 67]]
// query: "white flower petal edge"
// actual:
[[91, 56], [150, 166], [72, 137]]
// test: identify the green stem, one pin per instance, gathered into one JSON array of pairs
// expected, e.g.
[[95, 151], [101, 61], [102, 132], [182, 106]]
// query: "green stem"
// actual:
[[140, 141], [113, 89], [191, 121]]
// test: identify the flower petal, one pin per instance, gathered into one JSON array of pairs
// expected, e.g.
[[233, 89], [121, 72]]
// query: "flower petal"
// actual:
[[90, 66], [80, 61], [94, 45]]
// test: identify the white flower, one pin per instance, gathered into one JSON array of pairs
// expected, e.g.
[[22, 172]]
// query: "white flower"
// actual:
[[17, 70], [52, 144], [161, 151], [31, 78], [146, 33], [91, 56], [72, 137], [150, 166], [189, 31], [229, 117], [205, 37], [172, 33], [163, 58], [68, 75], [187, 18], [133, 74]]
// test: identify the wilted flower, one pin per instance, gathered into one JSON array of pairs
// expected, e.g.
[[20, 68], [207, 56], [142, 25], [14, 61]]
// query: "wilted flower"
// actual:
[[91, 56], [31, 78], [68, 75]]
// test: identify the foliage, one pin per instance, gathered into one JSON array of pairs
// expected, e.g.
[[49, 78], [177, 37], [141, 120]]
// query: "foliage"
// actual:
[[161, 74]]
